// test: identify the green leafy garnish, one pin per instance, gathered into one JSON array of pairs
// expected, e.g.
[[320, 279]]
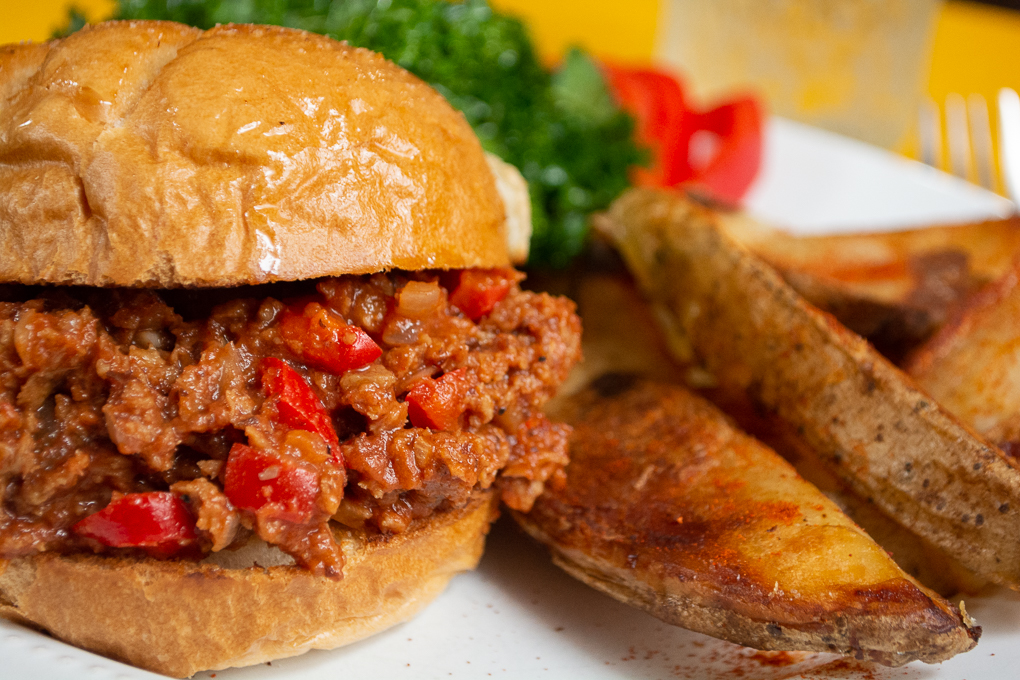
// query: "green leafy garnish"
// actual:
[[563, 131], [580, 90]]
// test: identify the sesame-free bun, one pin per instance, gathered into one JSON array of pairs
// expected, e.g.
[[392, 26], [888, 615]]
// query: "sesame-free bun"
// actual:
[[179, 618], [155, 154]]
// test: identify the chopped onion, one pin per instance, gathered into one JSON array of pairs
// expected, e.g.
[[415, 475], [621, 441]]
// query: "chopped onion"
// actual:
[[307, 445], [374, 375], [153, 339], [271, 472], [268, 311], [412, 378], [401, 332], [419, 300]]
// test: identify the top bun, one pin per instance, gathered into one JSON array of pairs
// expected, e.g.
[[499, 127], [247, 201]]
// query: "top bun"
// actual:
[[155, 154]]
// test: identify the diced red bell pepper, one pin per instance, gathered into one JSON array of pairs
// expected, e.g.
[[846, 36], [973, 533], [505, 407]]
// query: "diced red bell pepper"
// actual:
[[478, 291], [668, 125], [656, 101], [256, 479], [729, 172], [297, 405], [157, 520], [437, 403], [324, 341]]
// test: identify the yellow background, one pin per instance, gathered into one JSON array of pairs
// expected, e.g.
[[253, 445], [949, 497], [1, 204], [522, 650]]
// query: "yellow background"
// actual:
[[976, 50]]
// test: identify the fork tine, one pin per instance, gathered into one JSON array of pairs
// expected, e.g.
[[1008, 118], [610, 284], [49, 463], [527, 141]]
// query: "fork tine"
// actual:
[[930, 126], [981, 140], [1009, 141], [957, 135]]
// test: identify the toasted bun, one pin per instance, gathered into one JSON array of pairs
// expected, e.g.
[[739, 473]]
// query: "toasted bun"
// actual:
[[179, 618], [155, 154]]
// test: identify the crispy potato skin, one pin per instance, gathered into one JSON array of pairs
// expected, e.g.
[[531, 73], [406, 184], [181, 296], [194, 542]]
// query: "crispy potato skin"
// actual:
[[914, 554], [894, 288], [620, 336], [972, 366], [886, 267], [761, 342], [668, 507]]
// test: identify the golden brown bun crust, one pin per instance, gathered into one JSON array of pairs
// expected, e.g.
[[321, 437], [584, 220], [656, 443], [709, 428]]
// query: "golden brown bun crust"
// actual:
[[155, 154], [179, 618]]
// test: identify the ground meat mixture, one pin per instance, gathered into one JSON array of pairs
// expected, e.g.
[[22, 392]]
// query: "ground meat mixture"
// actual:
[[177, 423]]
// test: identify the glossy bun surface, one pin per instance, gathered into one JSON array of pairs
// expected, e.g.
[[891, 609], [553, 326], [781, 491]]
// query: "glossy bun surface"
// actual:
[[155, 154]]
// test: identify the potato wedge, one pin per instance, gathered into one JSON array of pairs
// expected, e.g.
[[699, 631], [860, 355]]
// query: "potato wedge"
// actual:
[[894, 288], [621, 336], [878, 264], [972, 366], [669, 508], [915, 555], [757, 340]]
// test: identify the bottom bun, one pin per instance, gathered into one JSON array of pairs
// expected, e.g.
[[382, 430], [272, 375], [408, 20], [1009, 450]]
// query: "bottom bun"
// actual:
[[179, 618]]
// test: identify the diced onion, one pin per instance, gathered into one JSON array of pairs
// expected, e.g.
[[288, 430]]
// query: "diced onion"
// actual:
[[410, 379], [151, 339], [372, 376], [271, 472], [401, 332], [419, 300], [307, 445]]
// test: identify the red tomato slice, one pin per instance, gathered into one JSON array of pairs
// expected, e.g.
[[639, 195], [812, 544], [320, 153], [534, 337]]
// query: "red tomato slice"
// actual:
[[437, 404], [156, 520], [478, 291], [272, 486], [297, 406], [324, 341]]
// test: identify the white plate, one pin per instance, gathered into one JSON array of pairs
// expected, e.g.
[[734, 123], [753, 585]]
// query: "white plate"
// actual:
[[813, 181], [517, 616]]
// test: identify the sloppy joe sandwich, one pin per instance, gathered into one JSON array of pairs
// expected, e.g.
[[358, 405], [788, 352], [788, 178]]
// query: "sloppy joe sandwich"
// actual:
[[265, 365]]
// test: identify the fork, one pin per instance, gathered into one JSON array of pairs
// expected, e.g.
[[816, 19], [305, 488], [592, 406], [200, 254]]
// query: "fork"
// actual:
[[969, 150], [1009, 141]]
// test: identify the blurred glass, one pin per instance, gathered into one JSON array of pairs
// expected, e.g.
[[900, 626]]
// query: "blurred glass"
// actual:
[[857, 67]]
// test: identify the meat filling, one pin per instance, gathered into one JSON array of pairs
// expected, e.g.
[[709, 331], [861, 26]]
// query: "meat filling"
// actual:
[[145, 422]]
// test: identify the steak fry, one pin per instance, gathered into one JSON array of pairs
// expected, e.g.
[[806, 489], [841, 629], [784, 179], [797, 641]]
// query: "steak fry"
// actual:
[[894, 288], [669, 508], [757, 340], [620, 336], [972, 365]]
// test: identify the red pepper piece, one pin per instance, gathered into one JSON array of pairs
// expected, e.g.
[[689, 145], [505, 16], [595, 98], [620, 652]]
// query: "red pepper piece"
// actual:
[[156, 520], [479, 290], [272, 486], [437, 404], [656, 101], [324, 341], [297, 406], [729, 173], [667, 125]]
